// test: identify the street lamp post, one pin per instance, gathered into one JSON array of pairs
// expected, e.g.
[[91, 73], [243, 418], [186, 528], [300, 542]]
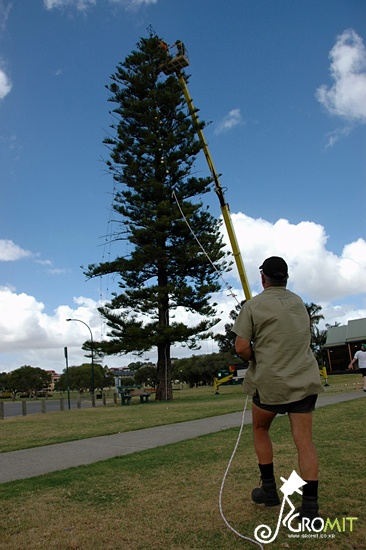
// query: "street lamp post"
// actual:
[[67, 376], [92, 356]]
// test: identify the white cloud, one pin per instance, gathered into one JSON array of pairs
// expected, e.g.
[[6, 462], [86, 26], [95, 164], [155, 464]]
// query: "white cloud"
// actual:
[[58, 271], [29, 335], [44, 262], [10, 252], [134, 5], [232, 119], [52, 270], [4, 14], [20, 320], [5, 84], [346, 98], [83, 5], [337, 134], [315, 272], [80, 5]]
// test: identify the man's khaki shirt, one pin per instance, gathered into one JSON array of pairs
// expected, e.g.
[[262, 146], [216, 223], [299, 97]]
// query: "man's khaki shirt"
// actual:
[[284, 368]]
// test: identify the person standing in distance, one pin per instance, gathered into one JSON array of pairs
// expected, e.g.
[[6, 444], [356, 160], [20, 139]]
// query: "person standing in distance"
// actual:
[[273, 333], [360, 356]]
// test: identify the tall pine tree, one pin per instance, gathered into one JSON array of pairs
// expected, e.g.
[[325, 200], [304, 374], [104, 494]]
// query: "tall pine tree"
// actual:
[[153, 147]]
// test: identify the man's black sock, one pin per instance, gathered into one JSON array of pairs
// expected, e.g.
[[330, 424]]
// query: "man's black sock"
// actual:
[[310, 489], [267, 473]]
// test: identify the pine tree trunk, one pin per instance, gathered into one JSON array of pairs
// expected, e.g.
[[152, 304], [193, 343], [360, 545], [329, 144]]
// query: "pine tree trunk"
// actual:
[[164, 390]]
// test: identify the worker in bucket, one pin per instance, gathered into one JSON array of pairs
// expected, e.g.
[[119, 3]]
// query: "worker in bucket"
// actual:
[[181, 49], [273, 333]]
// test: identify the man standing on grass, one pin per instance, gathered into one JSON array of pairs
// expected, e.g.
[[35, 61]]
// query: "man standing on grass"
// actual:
[[360, 356], [273, 333]]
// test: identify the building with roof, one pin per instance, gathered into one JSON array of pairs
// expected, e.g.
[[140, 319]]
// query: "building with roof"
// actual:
[[55, 377], [343, 342]]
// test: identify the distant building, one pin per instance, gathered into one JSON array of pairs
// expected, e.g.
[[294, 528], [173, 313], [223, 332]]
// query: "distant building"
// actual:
[[55, 377], [342, 343]]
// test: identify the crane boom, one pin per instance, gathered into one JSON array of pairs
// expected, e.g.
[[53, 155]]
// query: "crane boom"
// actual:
[[174, 65], [225, 210]]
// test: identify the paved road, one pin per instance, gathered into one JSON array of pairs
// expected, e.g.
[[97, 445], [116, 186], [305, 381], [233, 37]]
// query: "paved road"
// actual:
[[34, 406], [43, 460]]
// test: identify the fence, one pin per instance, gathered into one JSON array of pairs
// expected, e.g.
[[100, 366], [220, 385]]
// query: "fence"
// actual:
[[35, 406]]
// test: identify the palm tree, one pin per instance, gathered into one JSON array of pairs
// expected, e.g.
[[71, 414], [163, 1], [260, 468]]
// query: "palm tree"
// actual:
[[314, 312], [318, 337]]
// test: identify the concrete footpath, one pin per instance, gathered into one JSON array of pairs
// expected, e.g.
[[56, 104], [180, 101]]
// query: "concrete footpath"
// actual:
[[51, 458]]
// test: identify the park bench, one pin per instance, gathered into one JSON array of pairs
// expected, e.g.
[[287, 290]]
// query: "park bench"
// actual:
[[128, 392], [142, 393]]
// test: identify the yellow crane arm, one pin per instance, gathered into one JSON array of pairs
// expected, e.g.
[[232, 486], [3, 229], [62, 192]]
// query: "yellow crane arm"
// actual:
[[219, 192], [219, 381]]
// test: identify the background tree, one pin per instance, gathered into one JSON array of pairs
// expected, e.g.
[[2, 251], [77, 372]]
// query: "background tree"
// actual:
[[314, 314], [80, 378], [153, 147], [107, 378], [136, 365], [226, 342], [318, 337], [5, 385], [146, 375], [201, 369], [127, 381], [4, 381], [29, 380], [318, 340]]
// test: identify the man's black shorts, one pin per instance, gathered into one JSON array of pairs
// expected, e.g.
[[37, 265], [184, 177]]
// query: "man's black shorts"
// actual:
[[305, 405]]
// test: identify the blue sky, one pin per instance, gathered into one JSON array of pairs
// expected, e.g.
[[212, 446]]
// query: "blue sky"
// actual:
[[283, 85]]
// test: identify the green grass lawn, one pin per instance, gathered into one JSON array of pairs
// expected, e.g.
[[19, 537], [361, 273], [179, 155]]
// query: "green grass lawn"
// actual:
[[188, 404], [44, 429], [167, 498]]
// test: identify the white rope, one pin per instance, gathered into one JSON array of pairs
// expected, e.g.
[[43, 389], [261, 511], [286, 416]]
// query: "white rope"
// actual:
[[228, 287], [223, 484]]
